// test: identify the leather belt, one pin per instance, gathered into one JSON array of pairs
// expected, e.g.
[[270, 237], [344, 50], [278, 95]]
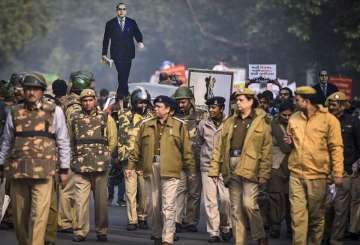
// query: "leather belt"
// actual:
[[156, 158], [235, 152]]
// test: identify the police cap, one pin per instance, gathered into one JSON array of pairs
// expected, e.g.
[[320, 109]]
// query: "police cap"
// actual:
[[87, 93], [305, 90], [217, 100], [164, 99]]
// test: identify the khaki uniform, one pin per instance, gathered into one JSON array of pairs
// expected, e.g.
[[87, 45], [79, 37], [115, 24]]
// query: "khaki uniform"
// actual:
[[134, 184], [66, 211], [93, 138], [161, 152], [188, 197], [278, 185], [34, 135], [241, 174], [218, 215], [316, 140]]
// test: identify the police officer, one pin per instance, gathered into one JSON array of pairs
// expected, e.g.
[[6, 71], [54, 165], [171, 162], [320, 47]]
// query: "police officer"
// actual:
[[71, 105], [189, 193], [315, 137], [347, 198], [243, 157], [93, 137], [218, 216], [35, 130], [162, 150], [278, 185], [134, 180]]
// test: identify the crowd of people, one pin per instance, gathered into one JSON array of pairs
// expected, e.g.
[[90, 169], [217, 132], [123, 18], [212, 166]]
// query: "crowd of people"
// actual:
[[292, 160]]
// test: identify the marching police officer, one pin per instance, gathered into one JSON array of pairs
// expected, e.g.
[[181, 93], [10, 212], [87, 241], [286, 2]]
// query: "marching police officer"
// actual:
[[93, 136], [134, 181], [162, 150], [35, 135], [218, 216], [189, 193], [317, 151], [71, 105], [347, 198], [243, 157]]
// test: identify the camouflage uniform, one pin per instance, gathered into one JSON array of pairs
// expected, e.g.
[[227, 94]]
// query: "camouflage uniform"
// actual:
[[189, 193], [32, 136], [93, 138], [66, 212], [129, 125]]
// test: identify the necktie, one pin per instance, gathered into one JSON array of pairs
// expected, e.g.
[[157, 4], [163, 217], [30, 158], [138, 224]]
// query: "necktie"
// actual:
[[324, 89], [122, 23]]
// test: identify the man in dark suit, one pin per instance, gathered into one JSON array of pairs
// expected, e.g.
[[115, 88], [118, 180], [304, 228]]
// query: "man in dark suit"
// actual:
[[121, 30], [324, 89]]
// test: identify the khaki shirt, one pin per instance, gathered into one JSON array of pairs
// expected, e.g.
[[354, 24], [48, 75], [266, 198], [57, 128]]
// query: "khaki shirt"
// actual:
[[317, 145], [175, 148], [240, 130]]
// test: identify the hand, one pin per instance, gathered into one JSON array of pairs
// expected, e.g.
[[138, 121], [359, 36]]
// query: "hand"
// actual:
[[63, 179], [338, 181], [215, 179], [128, 172], [103, 59], [287, 139], [141, 45], [262, 181]]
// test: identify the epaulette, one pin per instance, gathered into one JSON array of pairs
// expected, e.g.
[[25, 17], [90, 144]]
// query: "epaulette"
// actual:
[[147, 120], [178, 119]]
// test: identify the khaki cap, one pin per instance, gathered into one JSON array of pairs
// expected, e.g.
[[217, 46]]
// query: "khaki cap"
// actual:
[[243, 91], [305, 90], [87, 93]]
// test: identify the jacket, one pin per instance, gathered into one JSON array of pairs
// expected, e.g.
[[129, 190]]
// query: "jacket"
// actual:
[[255, 160], [175, 149], [317, 145]]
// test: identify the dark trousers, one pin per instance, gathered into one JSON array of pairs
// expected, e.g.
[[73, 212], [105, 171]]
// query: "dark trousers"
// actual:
[[123, 69], [121, 189]]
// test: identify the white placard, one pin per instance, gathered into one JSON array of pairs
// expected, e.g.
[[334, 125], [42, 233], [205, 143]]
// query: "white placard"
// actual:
[[262, 70]]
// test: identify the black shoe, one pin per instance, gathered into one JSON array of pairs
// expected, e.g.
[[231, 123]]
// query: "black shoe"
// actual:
[[179, 227], [121, 203], [143, 225], [102, 238], [6, 226], [131, 227], [67, 230], [274, 233], [49, 243], [191, 228], [78, 238], [351, 236], [226, 236], [176, 238], [157, 241], [214, 239]]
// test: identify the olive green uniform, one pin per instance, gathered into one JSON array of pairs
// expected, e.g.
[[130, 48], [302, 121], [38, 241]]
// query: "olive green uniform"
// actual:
[[93, 138], [188, 194], [34, 135], [162, 152], [129, 125]]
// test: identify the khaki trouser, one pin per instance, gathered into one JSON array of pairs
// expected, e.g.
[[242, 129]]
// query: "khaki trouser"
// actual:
[[188, 199], [51, 229], [66, 214], [84, 184], [218, 216], [135, 197], [31, 204], [345, 204], [243, 198], [307, 198], [161, 196]]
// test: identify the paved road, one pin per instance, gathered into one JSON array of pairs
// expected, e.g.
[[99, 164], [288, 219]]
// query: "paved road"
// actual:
[[120, 236]]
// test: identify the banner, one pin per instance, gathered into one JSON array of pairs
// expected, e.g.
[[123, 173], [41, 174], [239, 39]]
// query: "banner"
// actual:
[[262, 70], [344, 84]]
